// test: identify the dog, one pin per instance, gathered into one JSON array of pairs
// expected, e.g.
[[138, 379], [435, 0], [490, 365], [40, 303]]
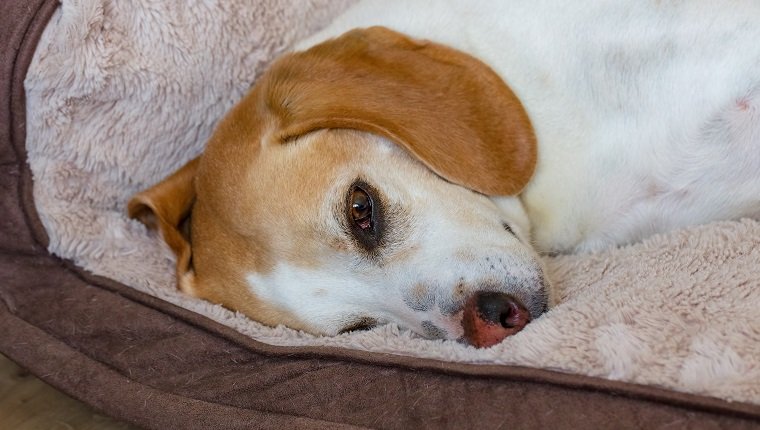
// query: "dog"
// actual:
[[412, 162]]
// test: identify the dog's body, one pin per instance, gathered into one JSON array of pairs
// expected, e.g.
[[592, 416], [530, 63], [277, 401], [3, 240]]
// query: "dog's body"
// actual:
[[604, 122], [647, 113]]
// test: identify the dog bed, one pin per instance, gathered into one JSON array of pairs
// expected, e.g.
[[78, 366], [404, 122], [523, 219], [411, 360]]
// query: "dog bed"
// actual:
[[118, 94]]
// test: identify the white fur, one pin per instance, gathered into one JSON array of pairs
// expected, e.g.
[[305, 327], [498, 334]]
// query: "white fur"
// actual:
[[647, 113]]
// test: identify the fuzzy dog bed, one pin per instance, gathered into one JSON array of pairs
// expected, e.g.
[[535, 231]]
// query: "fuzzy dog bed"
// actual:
[[119, 94]]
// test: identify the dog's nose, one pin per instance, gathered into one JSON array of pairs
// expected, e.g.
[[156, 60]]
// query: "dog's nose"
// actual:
[[489, 317]]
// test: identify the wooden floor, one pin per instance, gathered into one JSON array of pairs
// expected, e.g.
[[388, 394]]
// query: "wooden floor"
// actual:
[[26, 403]]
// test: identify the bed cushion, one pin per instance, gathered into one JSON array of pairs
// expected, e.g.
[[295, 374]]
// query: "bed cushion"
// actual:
[[150, 362]]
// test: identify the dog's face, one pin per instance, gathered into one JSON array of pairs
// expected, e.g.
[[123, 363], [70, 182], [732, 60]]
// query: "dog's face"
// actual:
[[356, 186]]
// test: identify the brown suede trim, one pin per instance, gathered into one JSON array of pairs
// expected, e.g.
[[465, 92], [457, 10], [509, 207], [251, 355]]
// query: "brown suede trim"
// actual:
[[21, 25], [154, 364], [109, 391]]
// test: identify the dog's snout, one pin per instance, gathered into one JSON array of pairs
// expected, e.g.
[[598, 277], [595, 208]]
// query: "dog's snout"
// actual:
[[489, 317]]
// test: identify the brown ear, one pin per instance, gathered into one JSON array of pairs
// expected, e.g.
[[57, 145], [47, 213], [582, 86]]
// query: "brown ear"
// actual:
[[167, 206], [447, 108]]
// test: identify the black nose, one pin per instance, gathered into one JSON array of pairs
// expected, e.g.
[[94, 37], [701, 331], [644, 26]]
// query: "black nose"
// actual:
[[500, 308], [489, 317]]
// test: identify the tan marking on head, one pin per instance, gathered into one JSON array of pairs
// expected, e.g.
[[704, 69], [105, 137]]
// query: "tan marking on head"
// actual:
[[273, 213]]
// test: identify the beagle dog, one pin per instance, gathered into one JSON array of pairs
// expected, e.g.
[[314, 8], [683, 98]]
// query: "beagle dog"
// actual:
[[412, 162]]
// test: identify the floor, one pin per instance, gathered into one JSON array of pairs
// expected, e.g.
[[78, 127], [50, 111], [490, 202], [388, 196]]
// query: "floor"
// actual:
[[26, 403]]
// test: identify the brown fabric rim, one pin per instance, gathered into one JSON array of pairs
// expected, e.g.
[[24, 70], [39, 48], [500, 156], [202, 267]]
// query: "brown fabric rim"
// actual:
[[116, 398], [26, 46], [22, 29]]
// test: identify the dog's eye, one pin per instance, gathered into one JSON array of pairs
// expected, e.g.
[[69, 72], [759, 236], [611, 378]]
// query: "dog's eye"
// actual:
[[364, 216], [361, 208]]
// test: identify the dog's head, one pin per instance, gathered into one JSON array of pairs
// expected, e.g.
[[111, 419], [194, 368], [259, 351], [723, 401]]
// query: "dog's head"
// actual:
[[369, 179]]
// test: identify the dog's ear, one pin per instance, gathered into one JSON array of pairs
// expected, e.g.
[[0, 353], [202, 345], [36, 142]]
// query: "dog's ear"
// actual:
[[167, 206], [448, 109]]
